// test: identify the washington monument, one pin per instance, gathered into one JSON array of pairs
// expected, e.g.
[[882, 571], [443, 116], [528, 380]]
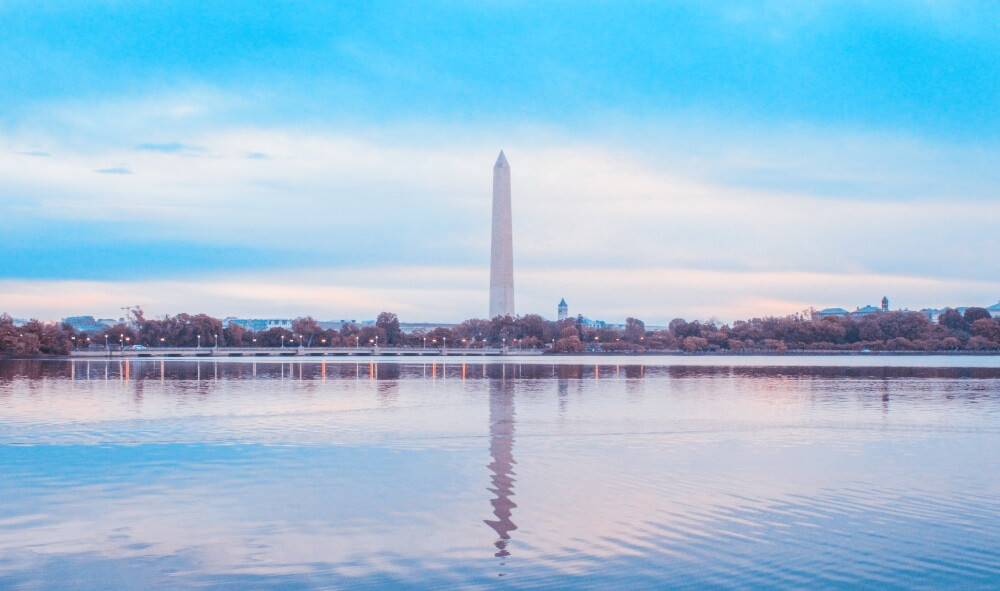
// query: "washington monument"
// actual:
[[502, 249]]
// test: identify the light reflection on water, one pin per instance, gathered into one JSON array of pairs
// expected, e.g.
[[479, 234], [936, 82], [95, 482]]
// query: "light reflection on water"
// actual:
[[242, 474]]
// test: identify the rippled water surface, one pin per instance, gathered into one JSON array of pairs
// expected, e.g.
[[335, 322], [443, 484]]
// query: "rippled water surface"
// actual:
[[583, 472]]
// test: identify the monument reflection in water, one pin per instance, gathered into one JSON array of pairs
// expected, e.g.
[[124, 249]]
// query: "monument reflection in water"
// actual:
[[235, 474], [502, 466]]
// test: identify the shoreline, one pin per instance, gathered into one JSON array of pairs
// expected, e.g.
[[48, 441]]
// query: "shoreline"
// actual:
[[152, 356]]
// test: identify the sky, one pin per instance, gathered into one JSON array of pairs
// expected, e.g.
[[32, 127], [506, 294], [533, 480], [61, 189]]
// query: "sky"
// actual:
[[668, 159]]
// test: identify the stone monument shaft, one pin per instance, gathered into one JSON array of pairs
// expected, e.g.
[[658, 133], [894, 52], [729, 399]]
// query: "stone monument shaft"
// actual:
[[502, 245]]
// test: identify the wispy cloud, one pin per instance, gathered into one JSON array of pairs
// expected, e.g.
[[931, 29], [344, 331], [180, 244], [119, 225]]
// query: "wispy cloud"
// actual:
[[170, 148], [114, 170], [408, 195], [37, 153]]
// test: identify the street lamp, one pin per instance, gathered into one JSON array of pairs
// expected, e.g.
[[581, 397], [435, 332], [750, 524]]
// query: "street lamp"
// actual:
[[121, 341], [105, 340], [425, 342], [254, 342], [445, 345], [282, 341], [161, 341], [199, 341], [376, 341], [216, 341]]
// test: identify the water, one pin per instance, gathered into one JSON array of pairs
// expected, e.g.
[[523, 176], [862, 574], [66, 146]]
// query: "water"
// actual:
[[682, 472]]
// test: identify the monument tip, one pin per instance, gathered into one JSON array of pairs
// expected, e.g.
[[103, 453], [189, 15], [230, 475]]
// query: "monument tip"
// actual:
[[501, 161]]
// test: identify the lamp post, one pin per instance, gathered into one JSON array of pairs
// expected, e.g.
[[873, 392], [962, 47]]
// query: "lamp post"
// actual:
[[282, 341], [199, 341], [161, 342], [425, 343], [216, 342], [445, 345], [106, 340], [121, 341], [254, 341]]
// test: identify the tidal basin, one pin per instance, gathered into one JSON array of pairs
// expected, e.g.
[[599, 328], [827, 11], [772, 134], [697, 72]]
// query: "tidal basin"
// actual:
[[583, 472]]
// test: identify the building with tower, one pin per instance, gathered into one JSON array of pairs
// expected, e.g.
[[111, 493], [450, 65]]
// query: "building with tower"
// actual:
[[885, 303], [563, 310]]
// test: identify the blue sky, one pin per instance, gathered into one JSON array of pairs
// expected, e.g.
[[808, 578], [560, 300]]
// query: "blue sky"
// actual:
[[718, 158]]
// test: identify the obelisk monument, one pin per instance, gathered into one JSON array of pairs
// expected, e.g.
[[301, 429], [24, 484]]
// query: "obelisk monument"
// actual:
[[502, 247]]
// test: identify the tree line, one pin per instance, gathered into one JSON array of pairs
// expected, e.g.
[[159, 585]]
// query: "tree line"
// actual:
[[975, 330]]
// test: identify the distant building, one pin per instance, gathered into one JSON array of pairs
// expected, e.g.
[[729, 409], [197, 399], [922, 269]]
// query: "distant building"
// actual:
[[933, 314], [87, 324], [830, 313], [425, 327], [857, 313], [259, 324], [994, 310], [563, 310], [335, 324], [584, 321], [866, 311]]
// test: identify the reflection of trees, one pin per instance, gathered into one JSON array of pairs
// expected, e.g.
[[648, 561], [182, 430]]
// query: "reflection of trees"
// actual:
[[387, 380], [634, 382], [502, 466]]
